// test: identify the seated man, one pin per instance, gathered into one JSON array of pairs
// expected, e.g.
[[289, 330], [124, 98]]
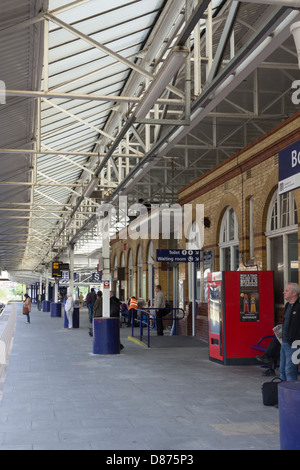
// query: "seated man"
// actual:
[[271, 356]]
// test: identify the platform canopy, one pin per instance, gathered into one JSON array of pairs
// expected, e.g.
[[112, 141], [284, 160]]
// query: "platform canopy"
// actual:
[[138, 98]]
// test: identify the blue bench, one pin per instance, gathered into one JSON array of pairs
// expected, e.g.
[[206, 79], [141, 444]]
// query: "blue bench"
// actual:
[[261, 347]]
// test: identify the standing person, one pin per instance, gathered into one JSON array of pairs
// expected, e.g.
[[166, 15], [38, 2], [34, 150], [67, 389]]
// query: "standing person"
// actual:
[[27, 307], [114, 305], [160, 303], [69, 312], [115, 309], [98, 305], [97, 309], [290, 332], [80, 298], [39, 301], [133, 305], [90, 300]]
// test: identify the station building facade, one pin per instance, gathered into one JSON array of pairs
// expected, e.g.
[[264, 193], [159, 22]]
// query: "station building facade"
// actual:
[[247, 225]]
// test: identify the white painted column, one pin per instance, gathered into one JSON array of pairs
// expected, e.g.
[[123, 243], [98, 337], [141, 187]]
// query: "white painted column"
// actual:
[[71, 273], [47, 284], [56, 291], [106, 277]]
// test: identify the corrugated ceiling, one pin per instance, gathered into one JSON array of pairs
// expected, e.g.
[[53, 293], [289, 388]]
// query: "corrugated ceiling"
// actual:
[[71, 51]]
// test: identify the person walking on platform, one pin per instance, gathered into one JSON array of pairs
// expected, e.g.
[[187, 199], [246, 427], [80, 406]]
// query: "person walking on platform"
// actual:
[[133, 305], [90, 300], [159, 304], [27, 307], [69, 311], [290, 332]]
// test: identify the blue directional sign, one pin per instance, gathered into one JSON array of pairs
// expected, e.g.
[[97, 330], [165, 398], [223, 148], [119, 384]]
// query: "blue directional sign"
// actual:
[[289, 168], [178, 256], [97, 277]]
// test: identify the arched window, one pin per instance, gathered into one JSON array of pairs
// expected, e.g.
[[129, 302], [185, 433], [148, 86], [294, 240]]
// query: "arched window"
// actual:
[[139, 273], [229, 242], [130, 275], [282, 242]]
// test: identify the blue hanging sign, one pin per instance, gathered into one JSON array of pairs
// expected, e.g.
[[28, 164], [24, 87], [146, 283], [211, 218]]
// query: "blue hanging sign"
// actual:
[[289, 168], [178, 256]]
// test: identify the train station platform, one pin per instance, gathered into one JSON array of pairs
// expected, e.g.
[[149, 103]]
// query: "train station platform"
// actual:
[[57, 395]]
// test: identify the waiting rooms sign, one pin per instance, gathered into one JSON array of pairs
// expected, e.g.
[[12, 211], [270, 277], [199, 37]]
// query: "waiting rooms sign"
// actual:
[[289, 168]]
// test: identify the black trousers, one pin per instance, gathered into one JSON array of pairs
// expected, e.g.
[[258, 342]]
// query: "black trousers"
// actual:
[[159, 322], [273, 352], [132, 314]]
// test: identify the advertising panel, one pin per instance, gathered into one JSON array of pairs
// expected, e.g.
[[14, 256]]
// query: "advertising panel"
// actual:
[[249, 297]]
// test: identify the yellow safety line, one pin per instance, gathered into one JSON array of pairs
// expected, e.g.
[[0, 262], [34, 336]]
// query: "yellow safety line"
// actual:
[[137, 341]]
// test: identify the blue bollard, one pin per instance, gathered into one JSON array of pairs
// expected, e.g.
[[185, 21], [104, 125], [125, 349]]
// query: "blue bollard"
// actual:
[[289, 412], [46, 305], [106, 338], [55, 309], [76, 317]]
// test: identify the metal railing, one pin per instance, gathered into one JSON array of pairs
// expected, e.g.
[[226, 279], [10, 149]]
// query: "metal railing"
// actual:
[[150, 321]]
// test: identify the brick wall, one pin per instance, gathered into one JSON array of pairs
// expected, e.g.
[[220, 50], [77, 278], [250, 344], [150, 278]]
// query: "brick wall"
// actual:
[[251, 173]]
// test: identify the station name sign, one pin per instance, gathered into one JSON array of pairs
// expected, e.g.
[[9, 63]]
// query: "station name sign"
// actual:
[[178, 256], [289, 168]]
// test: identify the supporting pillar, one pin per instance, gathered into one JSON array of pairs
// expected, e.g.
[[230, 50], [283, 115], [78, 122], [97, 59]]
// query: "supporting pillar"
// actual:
[[106, 339], [55, 306], [46, 302]]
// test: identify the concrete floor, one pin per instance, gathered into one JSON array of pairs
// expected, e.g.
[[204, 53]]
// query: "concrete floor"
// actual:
[[57, 395]]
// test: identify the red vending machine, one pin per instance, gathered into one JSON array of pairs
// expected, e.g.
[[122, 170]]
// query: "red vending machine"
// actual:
[[240, 313]]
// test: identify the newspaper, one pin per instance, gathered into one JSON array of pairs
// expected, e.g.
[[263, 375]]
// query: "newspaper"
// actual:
[[278, 332]]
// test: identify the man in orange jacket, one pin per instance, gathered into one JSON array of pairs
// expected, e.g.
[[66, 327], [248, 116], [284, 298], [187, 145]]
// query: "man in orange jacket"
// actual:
[[133, 305]]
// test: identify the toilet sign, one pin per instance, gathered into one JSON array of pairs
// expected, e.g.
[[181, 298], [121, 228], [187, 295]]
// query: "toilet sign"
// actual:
[[178, 256]]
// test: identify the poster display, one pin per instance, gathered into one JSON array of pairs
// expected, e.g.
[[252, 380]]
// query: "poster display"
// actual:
[[249, 297]]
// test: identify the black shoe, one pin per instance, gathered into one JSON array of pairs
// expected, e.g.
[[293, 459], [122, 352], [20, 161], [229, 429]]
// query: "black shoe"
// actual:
[[264, 359], [121, 346]]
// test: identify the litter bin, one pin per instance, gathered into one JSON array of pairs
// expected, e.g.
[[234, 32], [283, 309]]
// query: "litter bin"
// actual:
[[289, 412], [55, 309], [46, 305], [106, 338], [76, 317]]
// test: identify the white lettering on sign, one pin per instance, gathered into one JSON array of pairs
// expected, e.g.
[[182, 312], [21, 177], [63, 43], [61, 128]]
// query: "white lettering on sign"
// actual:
[[295, 94], [295, 158]]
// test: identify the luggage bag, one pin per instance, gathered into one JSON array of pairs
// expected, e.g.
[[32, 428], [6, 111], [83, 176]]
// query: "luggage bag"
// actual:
[[270, 392]]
